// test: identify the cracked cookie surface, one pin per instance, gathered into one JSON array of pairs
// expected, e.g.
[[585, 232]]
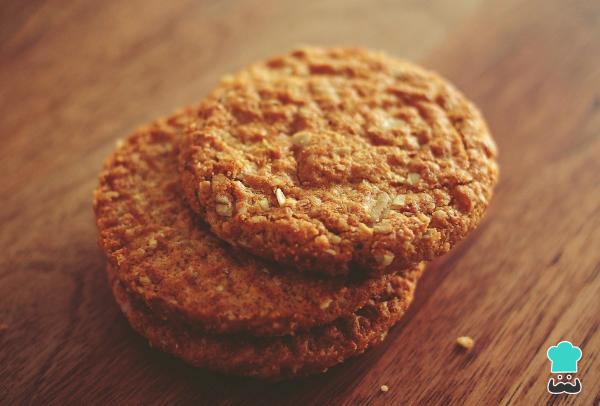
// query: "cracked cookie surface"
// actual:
[[334, 160], [307, 352], [168, 258]]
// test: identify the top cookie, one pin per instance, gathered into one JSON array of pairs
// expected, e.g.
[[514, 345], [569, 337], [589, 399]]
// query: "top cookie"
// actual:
[[339, 159]]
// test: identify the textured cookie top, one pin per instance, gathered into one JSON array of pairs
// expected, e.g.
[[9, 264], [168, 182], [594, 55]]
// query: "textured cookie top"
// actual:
[[307, 352], [333, 159], [171, 261]]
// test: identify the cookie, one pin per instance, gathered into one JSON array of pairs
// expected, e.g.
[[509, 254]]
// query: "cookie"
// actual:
[[335, 160], [169, 259], [304, 353]]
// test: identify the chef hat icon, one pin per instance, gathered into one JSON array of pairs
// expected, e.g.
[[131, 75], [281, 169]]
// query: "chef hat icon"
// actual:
[[564, 357]]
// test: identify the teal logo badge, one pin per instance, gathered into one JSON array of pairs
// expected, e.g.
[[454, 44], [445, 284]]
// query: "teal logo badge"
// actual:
[[564, 357]]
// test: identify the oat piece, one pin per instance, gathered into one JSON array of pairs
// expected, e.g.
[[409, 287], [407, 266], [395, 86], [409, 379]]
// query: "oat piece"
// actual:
[[380, 163], [170, 260], [307, 352], [384, 388]]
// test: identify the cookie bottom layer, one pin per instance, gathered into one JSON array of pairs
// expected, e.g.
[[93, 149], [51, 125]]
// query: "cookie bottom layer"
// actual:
[[303, 353]]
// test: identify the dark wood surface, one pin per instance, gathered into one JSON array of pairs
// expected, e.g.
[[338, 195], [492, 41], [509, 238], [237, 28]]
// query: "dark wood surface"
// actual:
[[77, 75]]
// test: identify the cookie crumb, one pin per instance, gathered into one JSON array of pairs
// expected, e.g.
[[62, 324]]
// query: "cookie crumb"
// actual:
[[384, 388], [465, 342]]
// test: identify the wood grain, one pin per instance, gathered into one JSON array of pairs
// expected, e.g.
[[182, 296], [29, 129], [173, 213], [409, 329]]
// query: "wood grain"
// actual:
[[76, 76]]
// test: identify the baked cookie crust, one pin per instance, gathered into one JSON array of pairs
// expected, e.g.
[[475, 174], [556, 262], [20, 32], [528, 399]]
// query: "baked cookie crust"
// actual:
[[170, 260], [334, 160], [274, 358]]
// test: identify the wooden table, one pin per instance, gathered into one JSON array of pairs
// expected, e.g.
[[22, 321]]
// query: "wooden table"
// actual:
[[76, 76]]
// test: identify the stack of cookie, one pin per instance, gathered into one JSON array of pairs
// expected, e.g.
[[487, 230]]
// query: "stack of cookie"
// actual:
[[279, 227]]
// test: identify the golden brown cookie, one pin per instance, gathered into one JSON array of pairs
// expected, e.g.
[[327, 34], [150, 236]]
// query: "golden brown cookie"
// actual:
[[307, 352], [169, 259], [339, 159]]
